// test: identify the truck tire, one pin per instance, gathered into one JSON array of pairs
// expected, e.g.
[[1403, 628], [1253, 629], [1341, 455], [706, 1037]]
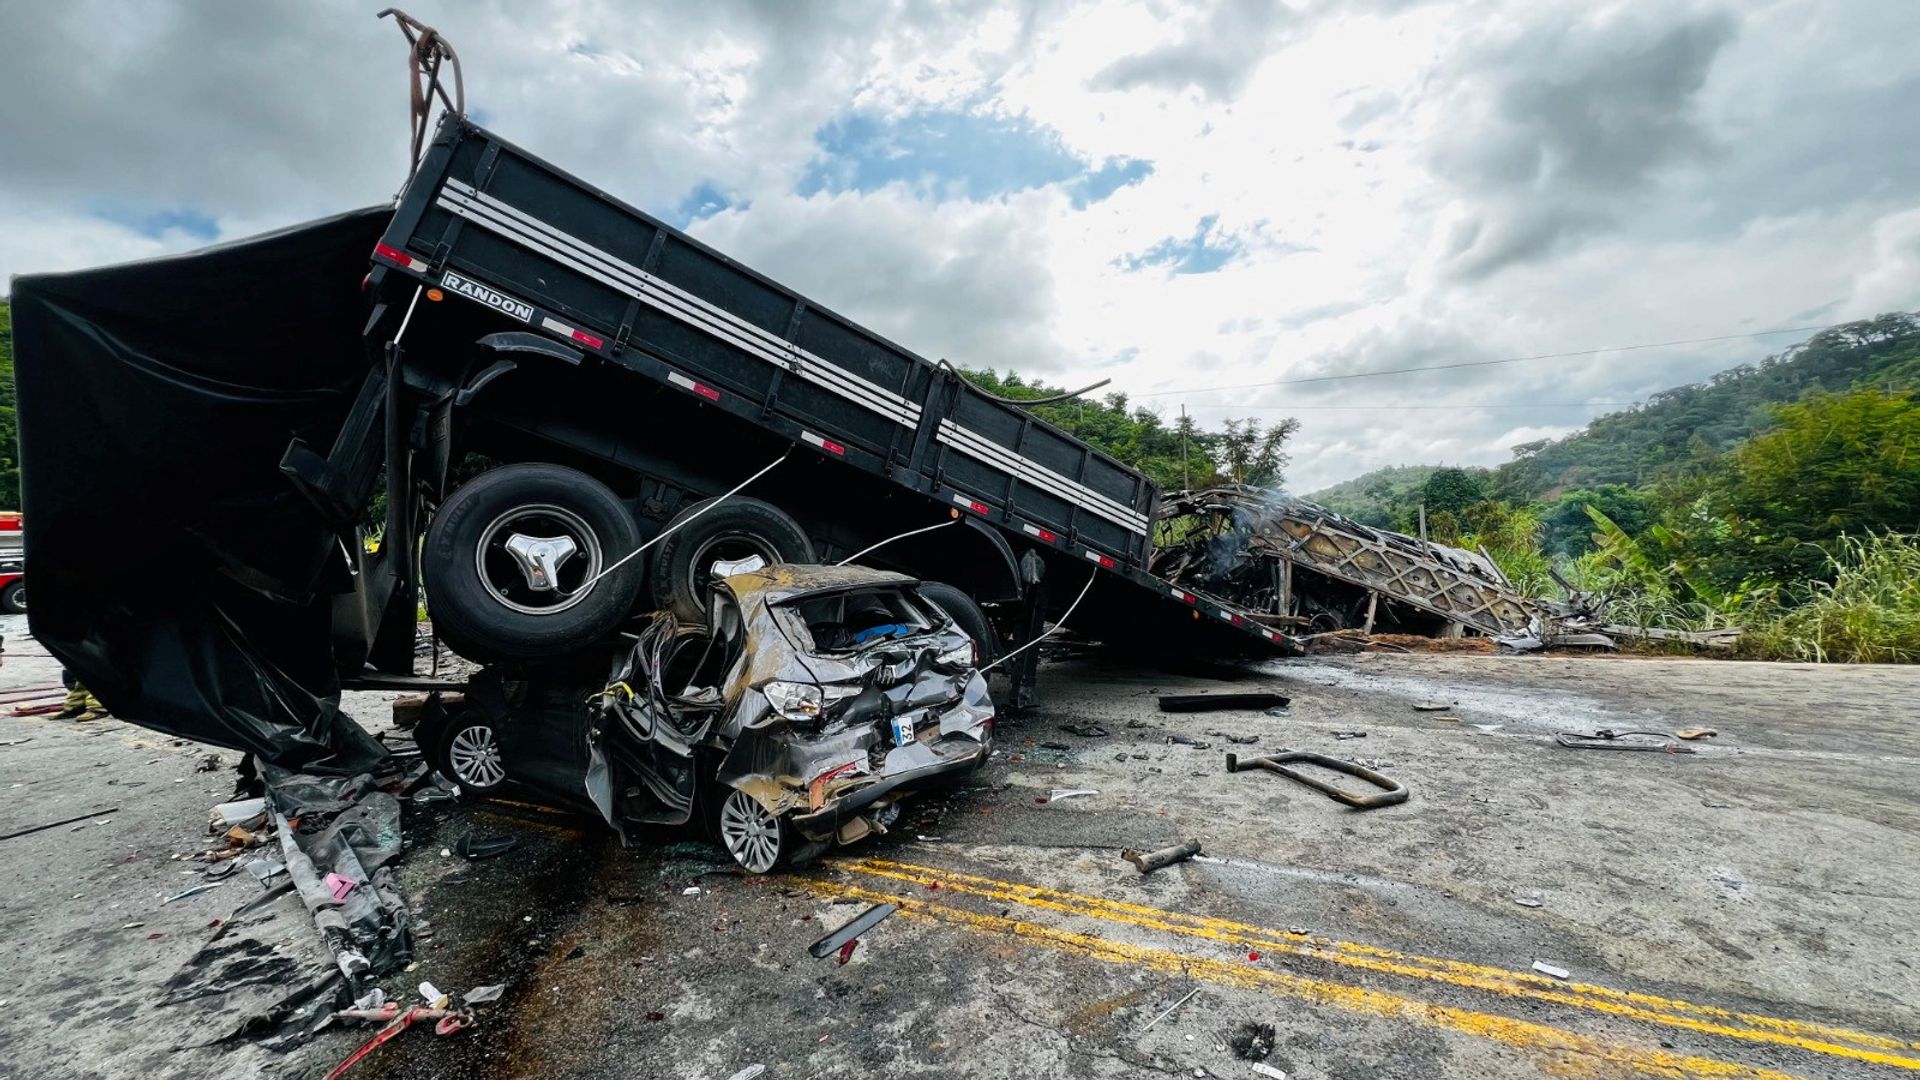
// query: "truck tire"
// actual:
[[487, 581], [967, 614], [736, 529], [13, 599]]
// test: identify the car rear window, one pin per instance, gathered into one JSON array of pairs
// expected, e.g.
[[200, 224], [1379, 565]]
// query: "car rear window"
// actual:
[[847, 621]]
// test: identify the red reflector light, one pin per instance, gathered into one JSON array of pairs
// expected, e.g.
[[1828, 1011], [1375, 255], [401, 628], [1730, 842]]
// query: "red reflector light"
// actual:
[[394, 253], [1047, 536], [832, 447], [706, 391], [587, 339], [978, 507], [1104, 561]]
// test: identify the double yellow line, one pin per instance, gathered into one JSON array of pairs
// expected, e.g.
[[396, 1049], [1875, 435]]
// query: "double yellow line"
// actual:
[[1704, 1019]]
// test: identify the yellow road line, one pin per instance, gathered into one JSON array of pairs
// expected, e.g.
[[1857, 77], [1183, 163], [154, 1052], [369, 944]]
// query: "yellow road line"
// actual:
[[1705, 1019], [1561, 1053]]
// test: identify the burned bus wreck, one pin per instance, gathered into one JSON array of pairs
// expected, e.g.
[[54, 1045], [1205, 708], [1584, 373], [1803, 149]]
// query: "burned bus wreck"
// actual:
[[1305, 568]]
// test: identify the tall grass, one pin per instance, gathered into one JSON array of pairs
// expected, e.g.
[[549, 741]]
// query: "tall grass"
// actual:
[[1868, 614]]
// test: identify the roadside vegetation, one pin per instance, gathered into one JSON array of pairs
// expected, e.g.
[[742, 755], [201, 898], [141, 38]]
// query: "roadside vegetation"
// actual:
[[1782, 496]]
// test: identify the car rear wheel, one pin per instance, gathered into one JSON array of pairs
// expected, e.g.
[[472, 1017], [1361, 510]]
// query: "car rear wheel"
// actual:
[[470, 755], [514, 562], [729, 534], [751, 833]]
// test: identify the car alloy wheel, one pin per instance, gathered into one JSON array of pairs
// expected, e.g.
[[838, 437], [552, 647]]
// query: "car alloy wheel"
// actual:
[[474, 756], [750, 832]]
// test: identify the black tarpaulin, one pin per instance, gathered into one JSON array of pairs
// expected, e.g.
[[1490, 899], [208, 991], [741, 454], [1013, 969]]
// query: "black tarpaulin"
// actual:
[[175, 571]]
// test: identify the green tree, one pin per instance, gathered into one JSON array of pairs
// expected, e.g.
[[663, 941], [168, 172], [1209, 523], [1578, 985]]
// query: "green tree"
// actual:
[[1834, 465], [1451, 490], [1253, 457]]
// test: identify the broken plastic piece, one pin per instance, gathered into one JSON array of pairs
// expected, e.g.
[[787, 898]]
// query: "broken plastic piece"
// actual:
[[481, 994], [240, 811], [265, 869], [1549, 969], [845, 936], [1216, 702], [1264, 1069], [183, 894], [1070, 793], [485, 847], [432, 996], [340, 885]]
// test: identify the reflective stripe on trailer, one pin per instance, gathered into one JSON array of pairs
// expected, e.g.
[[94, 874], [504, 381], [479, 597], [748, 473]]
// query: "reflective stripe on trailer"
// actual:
[[974, 505], [823, 443], [394, 254], [1042, 535], [568, 250], [700, 388]]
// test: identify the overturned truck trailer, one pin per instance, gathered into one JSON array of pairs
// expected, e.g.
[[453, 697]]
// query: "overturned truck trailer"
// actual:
[[540, 381]]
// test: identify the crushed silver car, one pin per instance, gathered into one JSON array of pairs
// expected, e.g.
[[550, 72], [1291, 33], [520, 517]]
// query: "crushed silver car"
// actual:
[[812, 702]]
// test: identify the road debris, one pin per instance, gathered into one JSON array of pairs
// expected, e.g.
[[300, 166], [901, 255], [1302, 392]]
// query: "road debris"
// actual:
[[1149, 861], [195, 890], [842, 939], [1696, 733], [446, 1022], [480, 995], [1549, 969], [1085, 731], [1529, 899], [83, 818], [1264, 1069], [484, 847], [1221, 702], [1343, 736], [1187, 740], [1169, 1010], [749, 1072], [1608, 739], [1253, 1041], [1069, 793], [1393, 791], [1432, 706], [1238, 740]]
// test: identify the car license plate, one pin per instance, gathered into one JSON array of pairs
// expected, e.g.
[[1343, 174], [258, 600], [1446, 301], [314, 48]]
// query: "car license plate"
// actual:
[[903, 729]]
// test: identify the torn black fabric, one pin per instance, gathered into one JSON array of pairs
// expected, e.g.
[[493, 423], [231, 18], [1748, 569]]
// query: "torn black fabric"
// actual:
[[176, 572]]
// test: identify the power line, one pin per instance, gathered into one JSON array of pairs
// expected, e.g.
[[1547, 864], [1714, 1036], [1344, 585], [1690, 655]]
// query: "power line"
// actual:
[[1475, 405], [1490, 363]]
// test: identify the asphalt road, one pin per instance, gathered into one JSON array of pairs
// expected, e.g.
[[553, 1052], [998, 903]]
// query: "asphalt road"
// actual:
[[1744, 911]]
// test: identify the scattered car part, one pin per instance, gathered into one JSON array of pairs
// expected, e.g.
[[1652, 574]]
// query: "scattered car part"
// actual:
[[472, 848], [1549, 969], [851, 930], [1266, 1070], [1149, 861], [514, 562], [1253, 1041], [1060, 794], [735, 532], [29, 831], [1221, 702], [1432, 706], [1696, 733], [481, 994], [1393, 790], [1085, 731], [1343, 736], [1608, 739], [1169, 1010], [194, 891]]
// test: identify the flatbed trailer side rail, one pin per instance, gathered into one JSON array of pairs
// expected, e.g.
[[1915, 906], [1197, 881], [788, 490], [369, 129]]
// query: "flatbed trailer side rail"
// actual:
[[492, 224]]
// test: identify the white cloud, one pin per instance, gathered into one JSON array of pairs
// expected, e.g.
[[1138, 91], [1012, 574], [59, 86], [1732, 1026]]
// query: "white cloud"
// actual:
[[1400, 183]]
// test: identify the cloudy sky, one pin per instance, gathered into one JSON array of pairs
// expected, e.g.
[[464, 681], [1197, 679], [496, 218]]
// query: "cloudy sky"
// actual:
[[1177, 196]]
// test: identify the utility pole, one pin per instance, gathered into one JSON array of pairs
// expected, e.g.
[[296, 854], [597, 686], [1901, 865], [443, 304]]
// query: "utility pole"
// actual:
[[1186, 482]]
